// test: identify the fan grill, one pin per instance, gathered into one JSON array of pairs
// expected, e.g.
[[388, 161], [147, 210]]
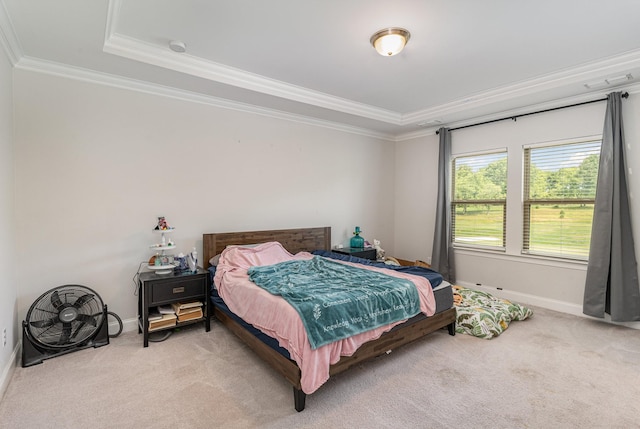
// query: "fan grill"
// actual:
[[65, 316]]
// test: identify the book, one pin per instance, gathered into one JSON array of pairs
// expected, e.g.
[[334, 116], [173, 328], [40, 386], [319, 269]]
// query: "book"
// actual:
[[188, 311], [166, 309], [191, 315], [166, 321], [154, 314], [186, 307]]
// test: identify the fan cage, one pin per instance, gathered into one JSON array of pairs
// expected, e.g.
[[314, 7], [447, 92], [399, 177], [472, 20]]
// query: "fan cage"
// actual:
[[64, 316]]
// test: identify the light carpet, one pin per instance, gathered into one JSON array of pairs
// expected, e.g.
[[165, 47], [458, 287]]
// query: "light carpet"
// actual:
[[552, 370]]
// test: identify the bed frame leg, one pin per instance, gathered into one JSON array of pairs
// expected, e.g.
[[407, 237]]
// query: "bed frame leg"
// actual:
[[298, 399], [451, 327]]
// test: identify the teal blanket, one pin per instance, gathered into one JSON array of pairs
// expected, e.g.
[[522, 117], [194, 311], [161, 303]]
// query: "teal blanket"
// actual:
[[336, 301]]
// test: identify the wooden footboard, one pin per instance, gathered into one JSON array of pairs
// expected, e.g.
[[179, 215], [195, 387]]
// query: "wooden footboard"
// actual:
[[397, 337]]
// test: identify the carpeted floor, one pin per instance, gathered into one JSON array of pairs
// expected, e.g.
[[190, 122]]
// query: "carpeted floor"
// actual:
[[553, 370]]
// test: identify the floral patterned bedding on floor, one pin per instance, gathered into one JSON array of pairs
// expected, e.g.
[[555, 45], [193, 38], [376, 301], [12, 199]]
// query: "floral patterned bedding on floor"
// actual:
[[482, 315]]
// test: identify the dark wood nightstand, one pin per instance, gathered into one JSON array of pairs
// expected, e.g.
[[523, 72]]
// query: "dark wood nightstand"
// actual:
[[360, 252], [157, 289]]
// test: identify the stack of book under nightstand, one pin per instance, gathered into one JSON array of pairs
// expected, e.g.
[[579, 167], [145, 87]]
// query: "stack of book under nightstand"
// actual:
[[169, 315], [188, 310], [162, 317]]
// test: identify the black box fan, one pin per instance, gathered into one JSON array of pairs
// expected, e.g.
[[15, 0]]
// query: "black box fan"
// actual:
[[65, 319]]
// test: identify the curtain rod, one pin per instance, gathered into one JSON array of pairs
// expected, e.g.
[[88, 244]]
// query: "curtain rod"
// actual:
[[514, 117]]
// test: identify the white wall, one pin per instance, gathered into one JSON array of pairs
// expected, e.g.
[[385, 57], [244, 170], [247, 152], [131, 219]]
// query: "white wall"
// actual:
[[8, 288], [415, 195], [95, 165], [531, 280]]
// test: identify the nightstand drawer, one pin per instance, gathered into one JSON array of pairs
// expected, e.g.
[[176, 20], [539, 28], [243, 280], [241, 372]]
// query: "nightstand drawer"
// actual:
[[175, 291]]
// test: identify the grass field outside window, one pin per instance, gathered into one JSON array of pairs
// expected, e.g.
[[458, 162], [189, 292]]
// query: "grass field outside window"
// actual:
[[561, 229], [479, 224]]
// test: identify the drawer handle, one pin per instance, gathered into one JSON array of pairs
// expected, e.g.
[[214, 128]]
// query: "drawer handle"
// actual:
[[178, 289]]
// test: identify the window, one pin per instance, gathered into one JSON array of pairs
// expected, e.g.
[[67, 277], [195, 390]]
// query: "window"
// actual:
[[478, 206], [559, 195]]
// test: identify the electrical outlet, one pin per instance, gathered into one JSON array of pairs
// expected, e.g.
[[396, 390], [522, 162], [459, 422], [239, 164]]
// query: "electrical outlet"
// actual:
[[4, 337]]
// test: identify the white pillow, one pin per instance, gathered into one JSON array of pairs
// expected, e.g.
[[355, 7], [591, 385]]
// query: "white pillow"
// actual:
[[214, 261]]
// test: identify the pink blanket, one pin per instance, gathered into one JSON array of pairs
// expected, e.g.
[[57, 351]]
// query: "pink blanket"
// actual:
[[276, 318]]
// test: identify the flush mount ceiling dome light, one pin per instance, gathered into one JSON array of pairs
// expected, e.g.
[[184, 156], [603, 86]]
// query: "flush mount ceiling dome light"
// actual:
[[390, 41]]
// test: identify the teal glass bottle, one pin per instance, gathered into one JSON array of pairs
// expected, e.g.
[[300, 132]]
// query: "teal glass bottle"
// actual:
[[356, 240]]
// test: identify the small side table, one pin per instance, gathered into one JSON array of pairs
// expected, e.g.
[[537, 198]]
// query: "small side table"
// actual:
[[158, 289], [360, 252]]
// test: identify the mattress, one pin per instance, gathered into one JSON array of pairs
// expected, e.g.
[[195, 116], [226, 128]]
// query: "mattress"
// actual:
[[442, 292]]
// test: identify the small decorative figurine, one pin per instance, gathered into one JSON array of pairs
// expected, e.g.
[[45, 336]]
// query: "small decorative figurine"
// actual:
[[162, 224], [379, 250]]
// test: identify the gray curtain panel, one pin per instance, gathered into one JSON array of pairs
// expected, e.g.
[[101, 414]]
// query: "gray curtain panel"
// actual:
[[612, 273], [442, 259]]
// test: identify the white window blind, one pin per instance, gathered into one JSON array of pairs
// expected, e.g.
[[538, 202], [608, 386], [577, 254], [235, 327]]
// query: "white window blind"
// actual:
[[478, 206], [559, 195]]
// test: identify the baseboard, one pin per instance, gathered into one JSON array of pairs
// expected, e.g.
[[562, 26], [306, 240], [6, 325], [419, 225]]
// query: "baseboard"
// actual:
[[7, 371], [128, 325], [548, 303]]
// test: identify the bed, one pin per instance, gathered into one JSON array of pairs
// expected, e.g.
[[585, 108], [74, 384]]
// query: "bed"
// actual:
[[318, 240]]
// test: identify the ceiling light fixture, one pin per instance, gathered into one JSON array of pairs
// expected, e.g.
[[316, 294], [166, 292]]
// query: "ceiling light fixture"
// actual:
[[390, 41], [177, 46]]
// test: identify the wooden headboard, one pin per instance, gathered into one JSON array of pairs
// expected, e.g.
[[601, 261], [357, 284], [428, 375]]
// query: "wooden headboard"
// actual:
[[294, 240]]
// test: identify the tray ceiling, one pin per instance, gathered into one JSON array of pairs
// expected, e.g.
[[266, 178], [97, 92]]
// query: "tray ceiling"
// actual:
[[311, 60]]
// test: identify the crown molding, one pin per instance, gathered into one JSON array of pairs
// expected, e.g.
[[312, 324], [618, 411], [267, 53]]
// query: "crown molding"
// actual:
[[194, 66], [574, 77], [632, 89], [8, 38], [126, 47], [557, 103], [130, 48], [184, 63], [91, 76]]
